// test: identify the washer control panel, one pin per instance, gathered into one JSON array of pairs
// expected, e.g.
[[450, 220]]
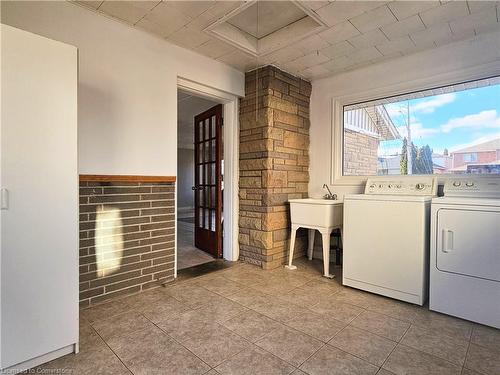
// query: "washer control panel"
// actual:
[[408, 185], [472, 186]]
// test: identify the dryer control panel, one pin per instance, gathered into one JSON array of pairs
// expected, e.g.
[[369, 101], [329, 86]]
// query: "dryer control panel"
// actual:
[[407, 185], [472, 186]]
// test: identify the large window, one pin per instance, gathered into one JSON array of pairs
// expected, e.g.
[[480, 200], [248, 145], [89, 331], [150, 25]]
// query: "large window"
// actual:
[[453, 129]]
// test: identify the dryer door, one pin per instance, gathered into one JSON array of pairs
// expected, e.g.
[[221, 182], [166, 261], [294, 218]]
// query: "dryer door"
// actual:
[[468, 242]]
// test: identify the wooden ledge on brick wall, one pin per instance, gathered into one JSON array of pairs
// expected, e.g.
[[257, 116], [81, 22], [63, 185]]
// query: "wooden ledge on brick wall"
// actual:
[[125, 178]]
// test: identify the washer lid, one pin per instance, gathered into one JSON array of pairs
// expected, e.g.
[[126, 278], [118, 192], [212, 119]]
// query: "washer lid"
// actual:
[[387, 198]]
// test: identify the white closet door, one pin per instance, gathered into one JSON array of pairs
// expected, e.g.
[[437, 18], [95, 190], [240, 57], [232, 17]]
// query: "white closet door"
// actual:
[[39, 229]]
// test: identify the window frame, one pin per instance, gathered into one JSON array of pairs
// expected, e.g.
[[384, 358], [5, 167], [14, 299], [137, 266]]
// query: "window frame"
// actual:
[[469, 157], [429, 83]]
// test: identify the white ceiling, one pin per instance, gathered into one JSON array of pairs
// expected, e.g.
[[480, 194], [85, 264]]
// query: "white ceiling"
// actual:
[[189, 106], [264, 17], [359, 33]]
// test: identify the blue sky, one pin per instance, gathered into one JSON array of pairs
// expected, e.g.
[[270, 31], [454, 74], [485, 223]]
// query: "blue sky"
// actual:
[[452, 121]]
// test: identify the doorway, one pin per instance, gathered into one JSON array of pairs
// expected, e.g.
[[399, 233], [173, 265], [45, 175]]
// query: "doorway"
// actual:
[[199, 180]]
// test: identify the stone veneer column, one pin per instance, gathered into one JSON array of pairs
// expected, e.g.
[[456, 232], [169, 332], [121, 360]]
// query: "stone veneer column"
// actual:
[[274, 162]]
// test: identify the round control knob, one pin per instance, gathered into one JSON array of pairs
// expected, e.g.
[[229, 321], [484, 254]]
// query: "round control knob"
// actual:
[[381, 186], [372, 186], [469, 184], [390, 186], [398, 186], [456, 183], [419, 186]]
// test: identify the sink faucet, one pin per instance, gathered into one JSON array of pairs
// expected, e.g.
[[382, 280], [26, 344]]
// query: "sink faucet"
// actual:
[[329, 195]]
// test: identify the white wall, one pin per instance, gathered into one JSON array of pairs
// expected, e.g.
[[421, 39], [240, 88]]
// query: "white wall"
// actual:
[[127, 86], [185, 178], [451, 63]]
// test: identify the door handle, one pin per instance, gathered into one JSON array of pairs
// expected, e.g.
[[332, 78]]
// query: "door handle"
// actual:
[[447, 241], [4, 199], [196, 188]]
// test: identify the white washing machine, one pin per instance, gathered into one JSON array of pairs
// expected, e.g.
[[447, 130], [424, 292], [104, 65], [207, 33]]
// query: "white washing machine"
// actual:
[[386, 237], [465, 250]]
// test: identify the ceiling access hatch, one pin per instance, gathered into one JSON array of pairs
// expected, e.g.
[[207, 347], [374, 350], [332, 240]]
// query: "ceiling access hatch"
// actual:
[[261, 27]]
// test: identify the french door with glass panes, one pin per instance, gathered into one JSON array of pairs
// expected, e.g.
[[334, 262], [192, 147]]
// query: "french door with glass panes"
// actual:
[[208, 181]]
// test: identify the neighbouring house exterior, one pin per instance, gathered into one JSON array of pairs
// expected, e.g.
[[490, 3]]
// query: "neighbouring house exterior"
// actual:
[[481, 158], [389, 165], [364, 128], [441, 162]]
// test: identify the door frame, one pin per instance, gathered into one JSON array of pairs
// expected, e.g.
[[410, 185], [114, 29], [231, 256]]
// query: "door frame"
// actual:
[[230, 211]]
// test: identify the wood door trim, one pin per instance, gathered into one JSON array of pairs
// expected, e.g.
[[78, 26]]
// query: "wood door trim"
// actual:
[[125, 178], [201, 233]]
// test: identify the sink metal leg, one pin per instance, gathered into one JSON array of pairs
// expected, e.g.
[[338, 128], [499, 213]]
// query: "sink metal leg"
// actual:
[[310, 248], [292, 246], [325, 236]]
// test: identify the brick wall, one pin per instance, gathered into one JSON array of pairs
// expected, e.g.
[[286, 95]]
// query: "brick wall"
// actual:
[[274, 162], [481, 157], [360, 154], [126, 238]]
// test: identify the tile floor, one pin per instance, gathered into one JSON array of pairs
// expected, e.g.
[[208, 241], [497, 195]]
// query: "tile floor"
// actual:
[[188, 255], [242, 320]]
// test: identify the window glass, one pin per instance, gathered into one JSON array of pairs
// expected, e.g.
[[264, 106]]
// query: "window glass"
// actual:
[[453, 129]]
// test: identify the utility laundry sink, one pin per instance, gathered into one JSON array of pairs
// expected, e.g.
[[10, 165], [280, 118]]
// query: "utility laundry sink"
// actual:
[[319, 214], [316, 212]]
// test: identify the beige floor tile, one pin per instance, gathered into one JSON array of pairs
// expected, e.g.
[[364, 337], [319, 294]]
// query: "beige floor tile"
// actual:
[[282, 311], [332, 361], [151, 351], [192, 295], [290, 345], [384, 372], [89, 339], [395, 309], [363, 344], [466, 371], [185, 326], [431, 342], [156, 304], [340, 311], [274, 286], [244, 276], [309, 295], [409, 361], [356, 297], [215, 344], [483, 360], [152, 296], [251, 325], [249, 297], [324, 284], [254, 360], [486, 336], [221, 286], [381, 325], [444, 324], [100, 360], [106, 310], [120, 325], [320, 326], [220, 310]]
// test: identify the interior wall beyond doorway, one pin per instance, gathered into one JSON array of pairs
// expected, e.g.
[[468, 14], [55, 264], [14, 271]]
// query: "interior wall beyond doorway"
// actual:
[[185, 179]]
